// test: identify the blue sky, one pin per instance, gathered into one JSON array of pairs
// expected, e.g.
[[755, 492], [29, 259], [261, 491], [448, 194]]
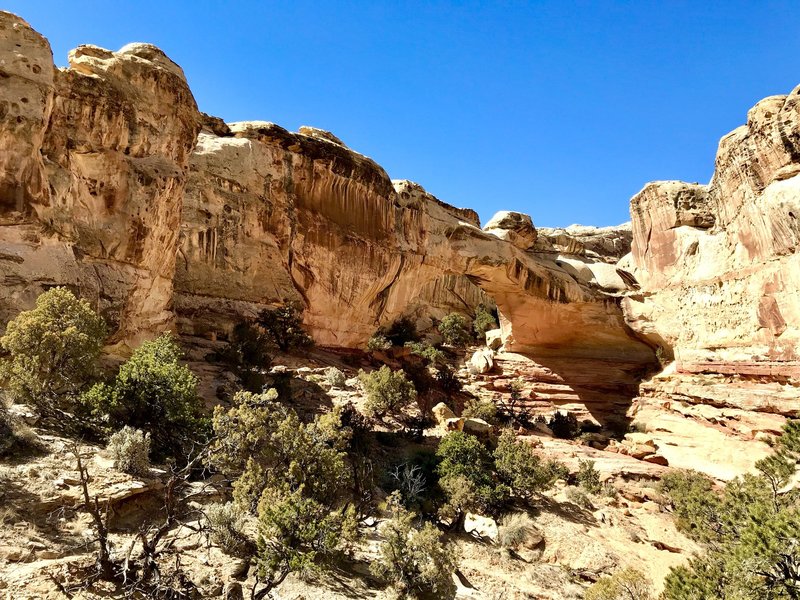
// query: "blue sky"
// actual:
[[562, 110]]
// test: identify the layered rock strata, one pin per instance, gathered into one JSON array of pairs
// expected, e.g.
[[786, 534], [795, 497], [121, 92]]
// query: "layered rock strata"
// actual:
[[719, 278], [718, 263]]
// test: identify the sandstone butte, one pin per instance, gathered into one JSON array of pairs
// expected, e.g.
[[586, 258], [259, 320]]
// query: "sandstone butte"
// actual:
[[113, 183]]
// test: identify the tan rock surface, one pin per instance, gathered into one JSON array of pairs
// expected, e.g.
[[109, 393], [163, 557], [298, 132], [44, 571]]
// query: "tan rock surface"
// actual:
[[251, 241], [94, 201], [717, 263], [112, 188]]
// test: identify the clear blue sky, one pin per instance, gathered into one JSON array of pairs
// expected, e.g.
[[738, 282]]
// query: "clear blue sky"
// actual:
[[558, 109]]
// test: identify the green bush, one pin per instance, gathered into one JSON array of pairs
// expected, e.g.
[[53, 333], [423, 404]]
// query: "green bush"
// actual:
[[295, 476], [225, 523], [415, 559], [401, 332], [749, 530], [130, 449], [52, 351], [387, 391], [521, 469], [378, 343], [335, 377], [427, 351], [455, 330], [627, 584], [480, 408], [299, 534], [564, 425], [466, 477], [249, 348], [261, 443], [515, 408], [695, 505], [447, 380], [155, 393], [588, 477], [483, 322], [283, 327]]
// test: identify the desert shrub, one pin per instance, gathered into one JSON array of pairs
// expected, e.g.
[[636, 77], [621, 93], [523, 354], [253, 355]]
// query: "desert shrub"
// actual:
[[514, 409], [409, 480], [295, 476], [249, 347], [627, 584], [425, 350], [387, 391], [263, 443], [130, 449], [402, 331], [749, 529], [578, 496], [378, 343], [695, 505], [415, 424], [155, 393], [564, 425], [447, 380], [283, 327], [480, 408], [609, 490], [515, 529], [335, 377], [422, 379], [521, 469], [299, 534], [52, 351], [455, 330], [15, 436], [466, 477], [225, 523], [356, 427], [588, 477], [483, 322], [415, 559]]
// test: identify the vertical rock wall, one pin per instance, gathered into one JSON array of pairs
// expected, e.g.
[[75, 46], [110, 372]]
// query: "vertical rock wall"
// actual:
[[92, 182]]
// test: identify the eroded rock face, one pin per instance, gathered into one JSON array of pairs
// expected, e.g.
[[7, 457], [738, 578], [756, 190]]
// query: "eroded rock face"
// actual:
[[26, 99], [116, 185], [514, 227], [606, 244], [720, 281], [717, 264], [272, 216], [93, 188]]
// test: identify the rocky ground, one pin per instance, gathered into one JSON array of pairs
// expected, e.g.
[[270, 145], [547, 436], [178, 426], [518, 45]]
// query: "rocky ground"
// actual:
[[46, 537]]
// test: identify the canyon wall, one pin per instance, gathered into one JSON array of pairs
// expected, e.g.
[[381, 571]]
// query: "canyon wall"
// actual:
[[93, 162], [719, 279], [273, 216], [718, 264], [113, 183]]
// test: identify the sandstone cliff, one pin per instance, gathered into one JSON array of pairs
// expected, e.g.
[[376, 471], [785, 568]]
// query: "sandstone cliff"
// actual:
[[115, 184], [718, 263], [93, 166], [719, 278]]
